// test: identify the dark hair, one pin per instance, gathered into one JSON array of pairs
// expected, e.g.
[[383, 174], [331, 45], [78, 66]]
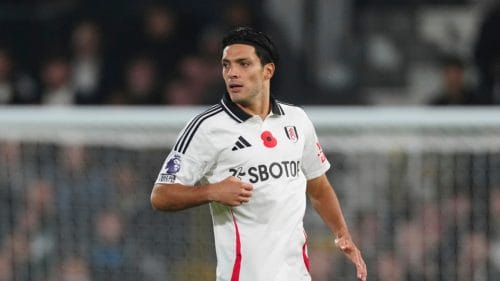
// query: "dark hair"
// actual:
[[264, 46]]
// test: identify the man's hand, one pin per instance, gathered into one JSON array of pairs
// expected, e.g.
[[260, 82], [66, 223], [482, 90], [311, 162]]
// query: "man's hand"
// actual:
[[347, 246], [231, 191]]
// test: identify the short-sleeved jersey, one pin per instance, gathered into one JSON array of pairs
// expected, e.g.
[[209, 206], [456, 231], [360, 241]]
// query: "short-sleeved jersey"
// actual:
[[264, 239]]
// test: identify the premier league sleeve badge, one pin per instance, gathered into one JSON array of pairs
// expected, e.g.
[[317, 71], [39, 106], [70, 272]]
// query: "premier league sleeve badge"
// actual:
[[171, 168]]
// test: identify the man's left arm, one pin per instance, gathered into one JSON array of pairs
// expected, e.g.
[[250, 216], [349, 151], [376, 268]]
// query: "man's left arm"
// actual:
[[326, 203]]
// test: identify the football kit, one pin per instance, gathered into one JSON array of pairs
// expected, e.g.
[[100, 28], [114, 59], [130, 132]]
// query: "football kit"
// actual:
[[263, 239]]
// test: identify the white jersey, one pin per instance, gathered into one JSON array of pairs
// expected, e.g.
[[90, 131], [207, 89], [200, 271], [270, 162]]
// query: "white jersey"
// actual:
[[264, 239]]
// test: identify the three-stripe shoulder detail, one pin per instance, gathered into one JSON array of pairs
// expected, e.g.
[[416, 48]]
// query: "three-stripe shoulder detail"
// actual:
[[185, 139], [280, 104]]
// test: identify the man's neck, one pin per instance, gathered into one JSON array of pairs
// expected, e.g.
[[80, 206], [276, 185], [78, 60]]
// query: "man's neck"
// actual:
[[261, 106]]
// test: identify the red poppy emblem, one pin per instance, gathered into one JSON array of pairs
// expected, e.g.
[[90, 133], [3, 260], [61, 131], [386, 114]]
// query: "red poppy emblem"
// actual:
[[268, 139]]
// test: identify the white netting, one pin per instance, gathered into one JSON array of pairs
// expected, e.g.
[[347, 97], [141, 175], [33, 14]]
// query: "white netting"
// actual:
[[419, 187]]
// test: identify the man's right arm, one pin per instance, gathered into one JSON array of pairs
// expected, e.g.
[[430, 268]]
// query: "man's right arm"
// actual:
[[174, 197]]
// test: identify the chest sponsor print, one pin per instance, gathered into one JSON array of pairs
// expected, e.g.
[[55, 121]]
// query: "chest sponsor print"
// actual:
[[264, 172]]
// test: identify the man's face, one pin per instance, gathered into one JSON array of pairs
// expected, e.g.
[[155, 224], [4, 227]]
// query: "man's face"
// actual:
[[245, 77]]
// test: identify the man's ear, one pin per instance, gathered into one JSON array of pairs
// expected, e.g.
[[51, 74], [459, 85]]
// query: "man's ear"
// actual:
[[269, 69]]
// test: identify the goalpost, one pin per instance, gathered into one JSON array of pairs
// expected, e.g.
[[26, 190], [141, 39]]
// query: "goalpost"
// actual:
[[420, 188]]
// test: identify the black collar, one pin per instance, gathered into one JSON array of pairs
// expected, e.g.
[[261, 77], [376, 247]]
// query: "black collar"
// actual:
[[239, 115]]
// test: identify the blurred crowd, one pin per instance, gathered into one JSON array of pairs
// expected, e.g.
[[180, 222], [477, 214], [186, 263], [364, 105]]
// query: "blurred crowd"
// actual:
[[82, 213], [57, 52], [73, 212], [117, 52], [437, 220]]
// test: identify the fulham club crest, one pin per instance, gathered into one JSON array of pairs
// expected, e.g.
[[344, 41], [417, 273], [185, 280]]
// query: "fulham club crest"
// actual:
[[291, 133]]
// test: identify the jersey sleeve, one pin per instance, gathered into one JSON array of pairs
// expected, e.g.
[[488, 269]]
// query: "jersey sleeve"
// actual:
[[314, 161], [190, 158]]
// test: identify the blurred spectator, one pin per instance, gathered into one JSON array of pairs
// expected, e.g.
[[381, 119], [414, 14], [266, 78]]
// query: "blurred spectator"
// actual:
[[210, 52], [11, 174], [88, 64], [457, 209], [140, 85], [30, 246], [454, 88], [39, 224], [56, 82], [494, 243], [81, 193], [162, 37], [323, 258], [487, 55], [124, 186], [194, 84], [73, 268], [15, 87], [5, 267], [389, 268], [179, 92], [109, 257], [474, 259], [495, 215], [208, 47], [16, 251], [366, 230], [418, 243], [241, 13]]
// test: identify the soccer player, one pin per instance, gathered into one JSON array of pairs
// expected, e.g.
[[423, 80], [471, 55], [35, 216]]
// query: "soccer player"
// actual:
[[254, 159]]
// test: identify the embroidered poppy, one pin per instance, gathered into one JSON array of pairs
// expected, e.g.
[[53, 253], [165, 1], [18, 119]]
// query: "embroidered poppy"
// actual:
[[268, 139]]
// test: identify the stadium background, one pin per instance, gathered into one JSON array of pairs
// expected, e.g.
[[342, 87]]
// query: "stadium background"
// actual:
[[422, 200]]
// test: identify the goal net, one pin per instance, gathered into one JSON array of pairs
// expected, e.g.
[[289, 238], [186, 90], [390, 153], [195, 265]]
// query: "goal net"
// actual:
[[420, 188]]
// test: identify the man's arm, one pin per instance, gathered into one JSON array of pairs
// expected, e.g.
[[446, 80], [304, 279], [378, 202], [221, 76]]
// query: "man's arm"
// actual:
[[326, 203], [174, 197]]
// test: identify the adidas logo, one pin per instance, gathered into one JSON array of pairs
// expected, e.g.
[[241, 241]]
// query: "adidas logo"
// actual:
[[241, 143]]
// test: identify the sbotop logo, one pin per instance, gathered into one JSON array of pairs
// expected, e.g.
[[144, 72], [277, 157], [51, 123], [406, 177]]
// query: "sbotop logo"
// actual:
[[264, 172]]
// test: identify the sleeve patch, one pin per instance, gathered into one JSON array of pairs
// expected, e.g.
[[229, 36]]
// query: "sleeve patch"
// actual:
[[171, 168], [320, 153]]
